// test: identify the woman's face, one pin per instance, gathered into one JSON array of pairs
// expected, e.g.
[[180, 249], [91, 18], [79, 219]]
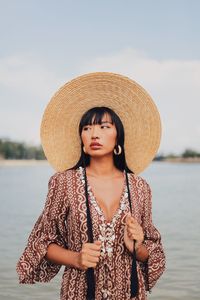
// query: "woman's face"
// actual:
[[105, 134]]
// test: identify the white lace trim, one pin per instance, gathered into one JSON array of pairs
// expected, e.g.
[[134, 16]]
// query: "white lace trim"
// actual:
[[107, 229]]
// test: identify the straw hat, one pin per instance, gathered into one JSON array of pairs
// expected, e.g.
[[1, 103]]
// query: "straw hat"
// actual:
[[136, 109]]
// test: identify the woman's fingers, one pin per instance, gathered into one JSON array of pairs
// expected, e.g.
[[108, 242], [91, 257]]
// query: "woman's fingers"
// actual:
[[96, 246], [90, 259], [90, 254], [93, 246], [91, 265], [134, 236], [130, 219], [133, 228]]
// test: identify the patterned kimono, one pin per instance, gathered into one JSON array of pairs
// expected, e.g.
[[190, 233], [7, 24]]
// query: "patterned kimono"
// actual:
[[64, 221]]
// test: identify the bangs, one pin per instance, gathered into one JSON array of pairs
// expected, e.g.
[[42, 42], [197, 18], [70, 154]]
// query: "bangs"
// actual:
[[95, 116]]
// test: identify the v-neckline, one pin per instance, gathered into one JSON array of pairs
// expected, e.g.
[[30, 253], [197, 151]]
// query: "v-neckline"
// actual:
[[108, 222]]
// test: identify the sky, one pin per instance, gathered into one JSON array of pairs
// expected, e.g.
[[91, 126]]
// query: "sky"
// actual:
[[154, 42]]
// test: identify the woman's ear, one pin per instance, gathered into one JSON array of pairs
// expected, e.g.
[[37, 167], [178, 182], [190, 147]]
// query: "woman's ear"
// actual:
[[84, 149]]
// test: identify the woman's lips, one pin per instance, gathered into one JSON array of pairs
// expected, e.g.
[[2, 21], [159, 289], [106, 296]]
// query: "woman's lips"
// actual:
[[95, 146]]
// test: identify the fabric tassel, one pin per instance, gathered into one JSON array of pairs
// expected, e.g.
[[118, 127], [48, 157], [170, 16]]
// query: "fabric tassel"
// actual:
[[134, 277], [90, 284]]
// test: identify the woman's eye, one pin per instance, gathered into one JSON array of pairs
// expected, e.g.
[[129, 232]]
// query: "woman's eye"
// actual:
[[86, 128], [105, 126]]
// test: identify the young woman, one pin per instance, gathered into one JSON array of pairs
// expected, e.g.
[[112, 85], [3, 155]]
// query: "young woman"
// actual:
[[97, 220]]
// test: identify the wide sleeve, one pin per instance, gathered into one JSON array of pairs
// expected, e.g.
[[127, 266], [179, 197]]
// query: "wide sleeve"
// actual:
[[153, 268], [49, 228]]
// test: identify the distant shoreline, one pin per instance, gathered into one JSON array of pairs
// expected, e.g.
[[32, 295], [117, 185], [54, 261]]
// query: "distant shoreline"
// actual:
[[22, 162], [34, 162], [182, 160]]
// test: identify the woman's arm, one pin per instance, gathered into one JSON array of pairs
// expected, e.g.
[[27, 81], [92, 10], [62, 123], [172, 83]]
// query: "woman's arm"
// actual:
[[88, 257], [62, 256]]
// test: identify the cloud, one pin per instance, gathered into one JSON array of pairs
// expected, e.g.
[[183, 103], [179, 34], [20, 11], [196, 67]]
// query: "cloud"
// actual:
[[27, 83], [25, 74]]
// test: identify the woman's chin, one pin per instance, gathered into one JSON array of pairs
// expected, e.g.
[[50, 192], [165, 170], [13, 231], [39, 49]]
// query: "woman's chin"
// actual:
[[100, 154]]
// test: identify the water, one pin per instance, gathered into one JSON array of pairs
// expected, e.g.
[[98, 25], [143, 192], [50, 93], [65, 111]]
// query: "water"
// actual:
[[176, 211]]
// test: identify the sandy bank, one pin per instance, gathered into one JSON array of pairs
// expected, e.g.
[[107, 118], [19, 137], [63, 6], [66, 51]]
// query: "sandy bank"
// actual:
[[22, 162], [183, 160]]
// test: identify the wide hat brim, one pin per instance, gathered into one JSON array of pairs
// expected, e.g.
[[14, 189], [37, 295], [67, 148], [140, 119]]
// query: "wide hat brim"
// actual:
[[59, 127]]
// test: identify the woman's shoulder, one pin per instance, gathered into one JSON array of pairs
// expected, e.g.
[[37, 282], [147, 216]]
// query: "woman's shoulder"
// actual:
[[60, 176], [138, 180]]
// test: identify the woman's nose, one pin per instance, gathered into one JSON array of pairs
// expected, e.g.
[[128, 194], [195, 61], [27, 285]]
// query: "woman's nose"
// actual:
[[95, 132]]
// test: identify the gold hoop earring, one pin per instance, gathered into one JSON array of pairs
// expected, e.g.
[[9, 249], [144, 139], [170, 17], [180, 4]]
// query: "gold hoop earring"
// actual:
[[119, 150], [84, 150]]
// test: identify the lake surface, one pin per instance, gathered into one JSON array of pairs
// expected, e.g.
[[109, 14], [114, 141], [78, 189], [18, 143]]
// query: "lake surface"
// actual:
[[176, 214]]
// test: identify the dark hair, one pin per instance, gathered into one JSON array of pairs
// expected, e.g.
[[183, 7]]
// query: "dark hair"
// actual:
[[94, 116]]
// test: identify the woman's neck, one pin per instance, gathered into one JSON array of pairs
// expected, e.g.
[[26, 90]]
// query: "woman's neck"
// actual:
[[101, 167]]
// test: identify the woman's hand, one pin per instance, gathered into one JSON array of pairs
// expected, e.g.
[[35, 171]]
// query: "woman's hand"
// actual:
[[133, 231], [89, 255]]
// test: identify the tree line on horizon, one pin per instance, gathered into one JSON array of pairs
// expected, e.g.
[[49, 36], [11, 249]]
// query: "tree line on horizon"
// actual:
[[188, 153], [19, 150], [16, 150]]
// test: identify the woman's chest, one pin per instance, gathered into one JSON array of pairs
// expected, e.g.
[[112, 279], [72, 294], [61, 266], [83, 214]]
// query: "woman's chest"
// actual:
[[107, 196], [101, 213]]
